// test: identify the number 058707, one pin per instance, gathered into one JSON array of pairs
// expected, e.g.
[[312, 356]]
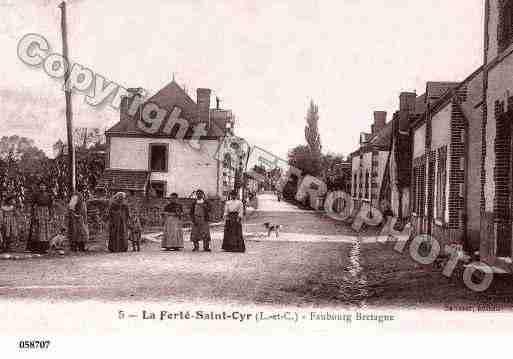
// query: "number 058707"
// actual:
[[34, 344]]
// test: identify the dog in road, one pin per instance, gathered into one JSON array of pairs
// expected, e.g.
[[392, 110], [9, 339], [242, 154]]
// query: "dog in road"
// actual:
[[272, 227]]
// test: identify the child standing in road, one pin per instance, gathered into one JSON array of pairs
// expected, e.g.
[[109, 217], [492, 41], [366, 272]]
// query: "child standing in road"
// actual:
[[8, 223], [200, 231], [136, 229]]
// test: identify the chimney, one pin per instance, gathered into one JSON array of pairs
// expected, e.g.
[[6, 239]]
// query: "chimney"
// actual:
[[407, 102], [123, 108], [203, 101], [127, 100], [380, 119]]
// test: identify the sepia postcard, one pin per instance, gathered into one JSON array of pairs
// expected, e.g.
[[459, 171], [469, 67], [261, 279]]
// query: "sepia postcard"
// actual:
[[193, 169]]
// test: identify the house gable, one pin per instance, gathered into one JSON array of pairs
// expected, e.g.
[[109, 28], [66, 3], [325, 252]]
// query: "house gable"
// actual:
[[174, 102]]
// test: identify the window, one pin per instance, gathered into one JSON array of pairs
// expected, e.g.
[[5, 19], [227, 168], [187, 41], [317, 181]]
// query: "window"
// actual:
[[422, 190], [367, 184], [360, 185], [158, 157], [441, 180], [158, 189], [419, 190], [505, 27], [414, 189]]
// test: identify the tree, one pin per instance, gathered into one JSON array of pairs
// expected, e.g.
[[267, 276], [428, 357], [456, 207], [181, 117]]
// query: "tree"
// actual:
[[302, 158], [336, 172], [313, 139], [22, 166], [90, 154], [17, 146], [312, 136], [84, 137], [32, 160]]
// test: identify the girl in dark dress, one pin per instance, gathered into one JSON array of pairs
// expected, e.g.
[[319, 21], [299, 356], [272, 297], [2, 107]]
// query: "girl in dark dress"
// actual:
[[233, 212], [118, 223], [41, 229], [79, 231], [200, 230]]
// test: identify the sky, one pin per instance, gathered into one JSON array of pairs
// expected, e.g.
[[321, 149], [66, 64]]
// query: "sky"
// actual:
[[265, 59]]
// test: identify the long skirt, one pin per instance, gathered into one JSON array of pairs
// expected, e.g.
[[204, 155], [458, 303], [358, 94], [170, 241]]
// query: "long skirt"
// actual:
[[118, 235], [9, 224], [232, 240], [40, 230], [79, 231], [8, 230], [173, 233], [200, 231]]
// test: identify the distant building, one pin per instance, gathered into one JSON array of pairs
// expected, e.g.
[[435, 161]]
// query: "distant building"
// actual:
[[395, 189], [368, 163]]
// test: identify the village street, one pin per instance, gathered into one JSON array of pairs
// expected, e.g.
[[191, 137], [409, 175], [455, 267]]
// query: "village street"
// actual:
[[305, 266], [316, 261]]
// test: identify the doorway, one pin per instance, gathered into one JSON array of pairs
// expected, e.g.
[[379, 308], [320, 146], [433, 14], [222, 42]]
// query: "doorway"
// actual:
[[503, 185]]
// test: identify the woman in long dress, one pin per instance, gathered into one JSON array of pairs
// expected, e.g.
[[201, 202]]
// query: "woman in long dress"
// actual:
[[8, 223], [200, 230], [79, 232], [118, 223], [233, 212], [42, 214], [173, 233]]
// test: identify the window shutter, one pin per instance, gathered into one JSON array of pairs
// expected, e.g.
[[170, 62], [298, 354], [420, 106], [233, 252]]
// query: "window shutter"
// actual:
[[505, 24]]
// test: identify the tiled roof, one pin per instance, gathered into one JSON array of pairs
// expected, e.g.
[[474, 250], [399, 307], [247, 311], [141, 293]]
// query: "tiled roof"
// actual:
[[436, 90], [420, 104], [124, 180], [382, 138], [167, 98], [170, 95]]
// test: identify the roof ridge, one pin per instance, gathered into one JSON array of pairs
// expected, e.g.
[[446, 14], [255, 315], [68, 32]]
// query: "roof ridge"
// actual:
[[175, 85]]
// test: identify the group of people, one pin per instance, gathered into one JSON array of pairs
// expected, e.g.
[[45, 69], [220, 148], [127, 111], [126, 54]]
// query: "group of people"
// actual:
[[42, 231], [123, 227], [173, 237]]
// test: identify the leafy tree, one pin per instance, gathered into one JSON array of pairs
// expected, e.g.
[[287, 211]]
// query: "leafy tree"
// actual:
[[312, 128], [22, 166], [90, 161], [313, 138], [19, 147], [84, 137], [302, 158], [335, 172]]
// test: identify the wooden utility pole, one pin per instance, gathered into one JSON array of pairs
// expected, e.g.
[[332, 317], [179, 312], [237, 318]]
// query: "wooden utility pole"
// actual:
[[67, 92]]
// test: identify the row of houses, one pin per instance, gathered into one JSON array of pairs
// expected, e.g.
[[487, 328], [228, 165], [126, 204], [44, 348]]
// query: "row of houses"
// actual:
[[443, 160]]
